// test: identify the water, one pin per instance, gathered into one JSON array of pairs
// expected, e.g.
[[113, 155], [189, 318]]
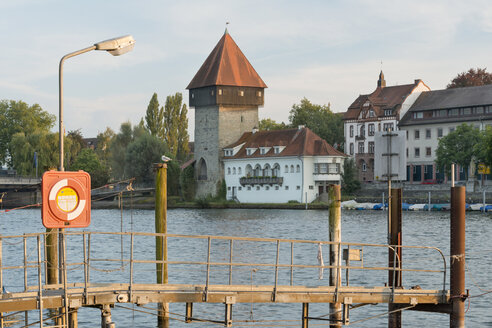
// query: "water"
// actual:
[[419, 228]]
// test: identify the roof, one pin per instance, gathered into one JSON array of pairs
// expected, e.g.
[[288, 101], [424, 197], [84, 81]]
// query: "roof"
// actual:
[[453, 98], [380, 99], [226, 65], [447, 99], [297, 142]]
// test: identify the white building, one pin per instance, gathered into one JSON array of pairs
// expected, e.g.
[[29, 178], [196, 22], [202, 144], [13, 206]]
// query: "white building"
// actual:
[[379, 111], [280, 166], [435, 114]]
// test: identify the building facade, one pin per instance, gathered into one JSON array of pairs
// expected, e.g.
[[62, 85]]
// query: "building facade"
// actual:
[[434, 115], [226, 93], [280, 166], [379, 111]]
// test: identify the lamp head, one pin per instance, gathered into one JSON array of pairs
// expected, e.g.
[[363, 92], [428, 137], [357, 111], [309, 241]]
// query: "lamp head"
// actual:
[[117, 46]]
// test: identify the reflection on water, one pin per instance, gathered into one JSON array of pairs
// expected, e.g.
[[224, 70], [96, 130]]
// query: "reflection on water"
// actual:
[[419, 228]]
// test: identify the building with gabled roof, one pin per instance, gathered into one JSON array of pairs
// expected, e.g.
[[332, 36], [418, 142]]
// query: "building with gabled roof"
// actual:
[[226, 93], [378, 111], [280, 166], [435, 114]]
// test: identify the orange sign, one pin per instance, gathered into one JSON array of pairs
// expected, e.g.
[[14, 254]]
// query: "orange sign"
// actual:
[[66, 199]]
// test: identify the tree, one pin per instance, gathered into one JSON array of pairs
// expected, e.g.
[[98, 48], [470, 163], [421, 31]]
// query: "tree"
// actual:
[[318, 118], [44, 143], [350, 182], [176, 126], [472, 78], [103, 146], [118, 148], [154, 118], [76, 145], [459, 146], [485, 149], [88, 161], [187, 183], [267, 124], [141, 154], [15, 117]]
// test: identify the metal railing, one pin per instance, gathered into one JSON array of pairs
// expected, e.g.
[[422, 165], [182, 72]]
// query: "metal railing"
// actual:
[[231, 266]]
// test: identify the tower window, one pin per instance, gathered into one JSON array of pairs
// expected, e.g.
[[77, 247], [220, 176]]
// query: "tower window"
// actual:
[[192, 95], [259, 93], [212, 92], [241, 93], [220, 92]]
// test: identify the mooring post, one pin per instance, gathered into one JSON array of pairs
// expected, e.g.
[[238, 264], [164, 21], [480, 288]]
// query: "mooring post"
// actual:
[[305, 315], [335, 225], [160, 241], [457, 317], [106, 317], [394, 254]]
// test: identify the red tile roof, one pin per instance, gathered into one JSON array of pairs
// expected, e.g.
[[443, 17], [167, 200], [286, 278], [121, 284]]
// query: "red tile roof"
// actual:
[[226, 65], [297, 142], [381, 99]]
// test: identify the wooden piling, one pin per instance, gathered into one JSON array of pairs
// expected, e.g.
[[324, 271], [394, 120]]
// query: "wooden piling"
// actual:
[[457, 283], [335, 225], [160, 242], [394, 256]]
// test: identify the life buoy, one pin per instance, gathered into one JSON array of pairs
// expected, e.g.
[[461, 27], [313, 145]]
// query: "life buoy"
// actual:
[[67, 199]]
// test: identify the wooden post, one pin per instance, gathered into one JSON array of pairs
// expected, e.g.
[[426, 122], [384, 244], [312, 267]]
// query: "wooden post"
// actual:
[[52, 256], [457, 317], [160, 242], [394, 260], [335, 226]]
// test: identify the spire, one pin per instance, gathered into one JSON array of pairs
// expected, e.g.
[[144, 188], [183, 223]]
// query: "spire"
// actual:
[[226, 65], [226, 31], [381, 81]]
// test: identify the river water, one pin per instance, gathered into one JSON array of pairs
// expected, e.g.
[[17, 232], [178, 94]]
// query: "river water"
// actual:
[[419, 229]]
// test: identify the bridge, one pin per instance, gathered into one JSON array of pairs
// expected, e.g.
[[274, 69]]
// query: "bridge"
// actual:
[[216, 273]]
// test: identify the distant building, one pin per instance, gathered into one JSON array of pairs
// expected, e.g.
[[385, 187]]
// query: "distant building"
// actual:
[[90, 143], [378, 111], [432, 116], [226, 93], [280, 166]]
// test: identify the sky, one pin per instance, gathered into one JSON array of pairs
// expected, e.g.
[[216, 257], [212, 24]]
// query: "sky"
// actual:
[[326, 51]]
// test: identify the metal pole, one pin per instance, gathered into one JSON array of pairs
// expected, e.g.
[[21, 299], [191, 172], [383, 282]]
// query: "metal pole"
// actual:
[[452, 175], [457, 317], [161, 241], [429, 209], [335, 225], [40, 285], [394, 254], [483, 202]]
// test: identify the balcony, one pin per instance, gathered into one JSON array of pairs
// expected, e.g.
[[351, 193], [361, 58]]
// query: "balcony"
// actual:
[[360, 138], [261, 181]]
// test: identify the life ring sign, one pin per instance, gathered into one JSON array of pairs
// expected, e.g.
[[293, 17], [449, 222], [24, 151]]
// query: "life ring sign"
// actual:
[[66, 199]]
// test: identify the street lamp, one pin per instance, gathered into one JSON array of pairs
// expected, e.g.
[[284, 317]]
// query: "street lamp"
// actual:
[[116, 46]]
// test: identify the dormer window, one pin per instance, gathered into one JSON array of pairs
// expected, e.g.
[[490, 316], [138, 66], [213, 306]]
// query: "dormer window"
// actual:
[[264, 150], [388, 112], [250, 151], [366, 104], [278, 149], [371, 113]]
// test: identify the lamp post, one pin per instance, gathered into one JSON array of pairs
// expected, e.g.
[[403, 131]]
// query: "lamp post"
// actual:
[[116, 46]]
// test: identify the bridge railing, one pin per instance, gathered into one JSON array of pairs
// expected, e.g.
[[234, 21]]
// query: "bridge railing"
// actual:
[[129, 258]]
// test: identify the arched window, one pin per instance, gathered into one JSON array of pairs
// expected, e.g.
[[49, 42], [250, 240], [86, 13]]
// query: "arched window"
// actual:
[[276, 170], [267, 170], [286, 168], [239, 170], [249, 170], [258, 170], [202, 169], [228, 170], [298, 168], [234, 171], [292, 169]]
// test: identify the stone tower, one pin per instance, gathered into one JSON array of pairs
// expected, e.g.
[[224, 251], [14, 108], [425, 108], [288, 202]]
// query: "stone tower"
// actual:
[[226, 93], [381, 81]]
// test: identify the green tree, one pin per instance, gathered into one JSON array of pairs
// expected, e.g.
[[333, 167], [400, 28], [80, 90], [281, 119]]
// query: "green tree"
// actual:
[[350, 182], [173, 179], [472, 78], [176, 126], [140, 156], [76, 145], [88, 161], [103, 146], [267, 124], [44, 143], [187, 183], [117, 150], [484, 152], [459, 146], [15, 117], [154, 118], [320, 119]]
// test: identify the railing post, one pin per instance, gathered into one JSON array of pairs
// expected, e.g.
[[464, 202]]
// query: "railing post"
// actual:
[[291, 263], [26, 313], [230, 261], [394, 254], [274, 296], [40, 284], [131, 267], [208, 269], [85, 267]]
